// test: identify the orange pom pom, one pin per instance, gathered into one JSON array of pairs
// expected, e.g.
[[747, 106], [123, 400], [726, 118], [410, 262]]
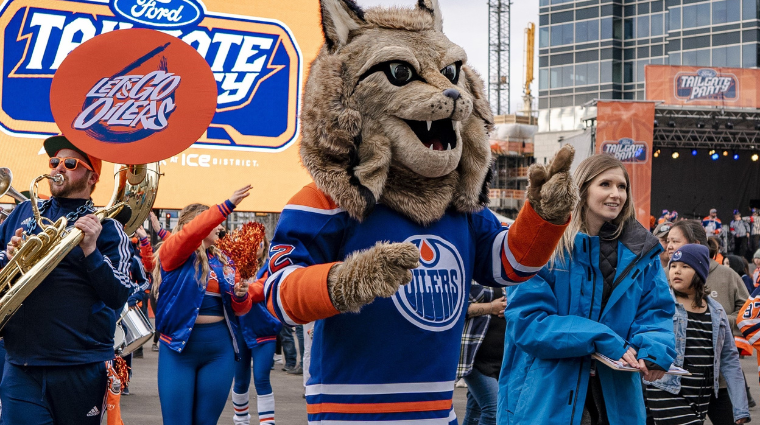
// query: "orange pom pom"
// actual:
[[242, 246]]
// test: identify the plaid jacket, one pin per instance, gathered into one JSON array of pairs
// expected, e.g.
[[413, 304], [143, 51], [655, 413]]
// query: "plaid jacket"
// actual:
[[474, 329]]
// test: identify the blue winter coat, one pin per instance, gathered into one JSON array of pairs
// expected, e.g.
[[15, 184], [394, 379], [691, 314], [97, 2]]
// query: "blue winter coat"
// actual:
[[554, 324]]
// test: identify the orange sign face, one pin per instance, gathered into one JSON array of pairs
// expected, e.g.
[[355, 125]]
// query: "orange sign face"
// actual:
[[625, 130], [703, 86], [133, 96]]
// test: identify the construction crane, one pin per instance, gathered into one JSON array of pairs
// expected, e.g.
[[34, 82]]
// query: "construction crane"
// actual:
[[530, 33], [498, 55]]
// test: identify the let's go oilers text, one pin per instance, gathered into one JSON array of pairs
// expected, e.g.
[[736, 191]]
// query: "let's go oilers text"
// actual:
[[131, 100]]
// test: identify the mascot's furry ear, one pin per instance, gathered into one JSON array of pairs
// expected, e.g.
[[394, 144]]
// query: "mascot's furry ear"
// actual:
[[339, 18], [431, 7]]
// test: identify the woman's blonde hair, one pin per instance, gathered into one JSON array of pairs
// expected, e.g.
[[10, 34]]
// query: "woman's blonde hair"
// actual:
[[586, 172], [201, 259], [264, 253]]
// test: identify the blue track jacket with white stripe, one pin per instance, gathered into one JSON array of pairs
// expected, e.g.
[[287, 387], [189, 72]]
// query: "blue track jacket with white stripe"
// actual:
[[395, 361], [70, 318]]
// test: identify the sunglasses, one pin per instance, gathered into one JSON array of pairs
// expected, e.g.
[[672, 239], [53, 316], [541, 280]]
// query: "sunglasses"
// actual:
[[68, 163]]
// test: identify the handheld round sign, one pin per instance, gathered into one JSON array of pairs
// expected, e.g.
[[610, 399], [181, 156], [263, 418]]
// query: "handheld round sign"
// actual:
[[133, 96]]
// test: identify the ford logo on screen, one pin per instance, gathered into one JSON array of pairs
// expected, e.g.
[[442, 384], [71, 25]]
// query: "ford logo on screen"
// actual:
[[160, 14], [707, 73]]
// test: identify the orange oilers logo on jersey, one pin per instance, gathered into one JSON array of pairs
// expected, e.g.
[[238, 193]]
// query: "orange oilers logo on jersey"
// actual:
[[256, 64], [435, 297]]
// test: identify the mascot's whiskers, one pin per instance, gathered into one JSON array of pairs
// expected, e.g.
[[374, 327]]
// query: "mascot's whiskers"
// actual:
[[381, 248]]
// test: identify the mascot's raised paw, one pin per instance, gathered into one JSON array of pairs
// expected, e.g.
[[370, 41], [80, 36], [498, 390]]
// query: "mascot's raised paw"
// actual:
[[551, 190], [375, 272]]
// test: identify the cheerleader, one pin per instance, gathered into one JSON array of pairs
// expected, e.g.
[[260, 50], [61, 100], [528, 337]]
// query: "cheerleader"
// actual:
[[198, 297]]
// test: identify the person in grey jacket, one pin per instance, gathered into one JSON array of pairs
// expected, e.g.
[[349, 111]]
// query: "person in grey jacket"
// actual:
[[698, 321]]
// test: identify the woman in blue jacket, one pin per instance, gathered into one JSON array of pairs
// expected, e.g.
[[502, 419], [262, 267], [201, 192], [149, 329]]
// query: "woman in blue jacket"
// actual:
[[198, 298], [604, 292], [258, 329]]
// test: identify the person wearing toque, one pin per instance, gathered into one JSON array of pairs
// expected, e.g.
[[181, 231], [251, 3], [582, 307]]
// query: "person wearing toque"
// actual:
[[705, 347]]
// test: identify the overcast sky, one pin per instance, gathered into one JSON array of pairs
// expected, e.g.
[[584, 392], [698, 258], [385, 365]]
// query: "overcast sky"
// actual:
[[465, 22]]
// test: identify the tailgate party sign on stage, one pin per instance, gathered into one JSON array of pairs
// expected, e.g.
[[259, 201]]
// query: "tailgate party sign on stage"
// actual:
[[250, 47], [703, 86]]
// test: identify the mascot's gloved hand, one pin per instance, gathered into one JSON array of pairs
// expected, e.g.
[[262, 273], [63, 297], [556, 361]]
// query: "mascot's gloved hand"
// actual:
[[551, 190], [366, 275]]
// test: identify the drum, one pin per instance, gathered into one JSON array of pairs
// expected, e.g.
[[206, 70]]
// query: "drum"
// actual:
[[118, 340], [137, 329]]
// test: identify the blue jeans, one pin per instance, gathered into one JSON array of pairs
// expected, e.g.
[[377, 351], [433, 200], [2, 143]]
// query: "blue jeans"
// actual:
[[481, 399], [289, 345]]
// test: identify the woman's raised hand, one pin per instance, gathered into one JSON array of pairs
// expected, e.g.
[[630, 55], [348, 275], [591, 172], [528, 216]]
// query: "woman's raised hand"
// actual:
[[141, 233], [154, 222], [240, 194]]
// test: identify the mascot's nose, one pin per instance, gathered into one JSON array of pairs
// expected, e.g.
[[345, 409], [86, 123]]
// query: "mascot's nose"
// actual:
[[452, 93]]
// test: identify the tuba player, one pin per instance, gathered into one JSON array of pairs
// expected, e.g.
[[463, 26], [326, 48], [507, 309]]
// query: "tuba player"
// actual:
[[61, 338]]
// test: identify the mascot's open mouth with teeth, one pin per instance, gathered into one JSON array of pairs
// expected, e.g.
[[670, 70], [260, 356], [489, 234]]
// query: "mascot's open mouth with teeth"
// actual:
[[435, 135], [395, 116]]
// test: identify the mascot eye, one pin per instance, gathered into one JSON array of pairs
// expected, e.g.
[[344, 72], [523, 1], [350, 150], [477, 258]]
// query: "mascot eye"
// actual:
[[400, 73], [451, 72]]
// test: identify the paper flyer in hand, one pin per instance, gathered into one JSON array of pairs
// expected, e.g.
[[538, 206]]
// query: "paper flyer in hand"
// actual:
[[618, 365]]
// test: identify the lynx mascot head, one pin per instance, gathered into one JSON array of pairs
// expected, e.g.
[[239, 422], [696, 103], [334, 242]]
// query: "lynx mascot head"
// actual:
[[393, 114]]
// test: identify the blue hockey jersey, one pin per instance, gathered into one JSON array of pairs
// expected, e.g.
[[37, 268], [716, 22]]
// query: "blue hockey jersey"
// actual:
[[396, 360]]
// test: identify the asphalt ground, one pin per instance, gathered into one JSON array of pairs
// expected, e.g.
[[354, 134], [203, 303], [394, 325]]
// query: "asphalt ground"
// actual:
[[142, 406]]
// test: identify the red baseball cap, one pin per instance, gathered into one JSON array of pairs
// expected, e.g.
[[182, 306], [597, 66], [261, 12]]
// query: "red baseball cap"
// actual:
[[55, 144]]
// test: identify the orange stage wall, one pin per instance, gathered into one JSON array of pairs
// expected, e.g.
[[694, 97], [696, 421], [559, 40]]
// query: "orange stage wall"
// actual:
[[625, 130]]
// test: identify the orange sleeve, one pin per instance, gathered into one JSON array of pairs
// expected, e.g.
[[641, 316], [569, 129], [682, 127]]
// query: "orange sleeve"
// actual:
[[178, 247], [531, 239], [256, 290], [303, 295], [146, 254], [241, 306]]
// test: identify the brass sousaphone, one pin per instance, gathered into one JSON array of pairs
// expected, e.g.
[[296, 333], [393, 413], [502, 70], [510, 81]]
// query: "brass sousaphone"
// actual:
[[6, 188], [135, 190]]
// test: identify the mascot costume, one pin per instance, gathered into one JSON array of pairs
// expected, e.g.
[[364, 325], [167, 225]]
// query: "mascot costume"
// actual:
[[381, 248]]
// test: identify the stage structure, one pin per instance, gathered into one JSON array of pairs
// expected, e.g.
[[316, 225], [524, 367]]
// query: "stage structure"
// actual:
[[692, 145]]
